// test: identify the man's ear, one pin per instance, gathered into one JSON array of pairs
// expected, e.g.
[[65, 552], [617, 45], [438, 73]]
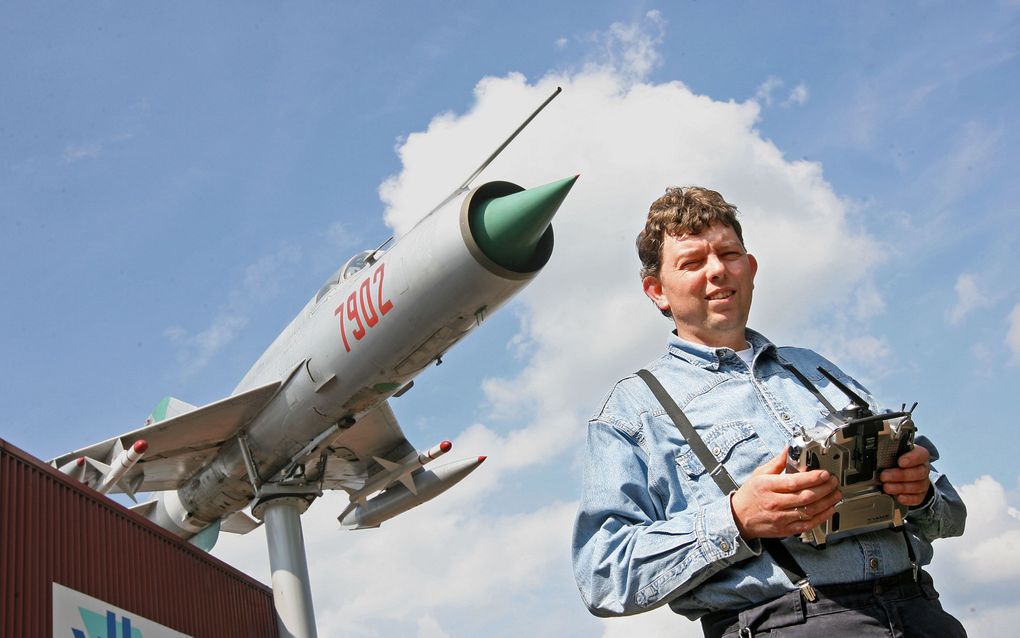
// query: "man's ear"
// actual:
[[653, 290], [754, 265]]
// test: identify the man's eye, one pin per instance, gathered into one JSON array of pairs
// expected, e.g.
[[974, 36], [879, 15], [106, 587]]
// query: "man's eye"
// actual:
[[691, 264]]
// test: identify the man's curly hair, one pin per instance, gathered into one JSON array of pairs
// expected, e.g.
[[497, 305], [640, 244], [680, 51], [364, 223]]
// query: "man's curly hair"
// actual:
[[683, 210]]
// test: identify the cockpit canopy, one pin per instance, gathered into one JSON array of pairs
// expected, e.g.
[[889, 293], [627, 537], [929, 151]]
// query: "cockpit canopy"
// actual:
[[353, 266]]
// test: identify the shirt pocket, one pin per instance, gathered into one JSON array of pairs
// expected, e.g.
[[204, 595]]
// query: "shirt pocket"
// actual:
[[735, 444]]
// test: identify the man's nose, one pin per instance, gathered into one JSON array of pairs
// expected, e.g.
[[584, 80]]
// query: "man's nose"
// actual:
[[714, 266]]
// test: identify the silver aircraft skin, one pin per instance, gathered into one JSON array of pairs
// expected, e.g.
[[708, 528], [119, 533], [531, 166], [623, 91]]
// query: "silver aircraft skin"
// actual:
[[314, 408]]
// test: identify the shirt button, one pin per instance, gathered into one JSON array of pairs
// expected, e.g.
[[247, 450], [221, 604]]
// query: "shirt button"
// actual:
[[785, 415], [873, 563], [724, 546], [716, 450]]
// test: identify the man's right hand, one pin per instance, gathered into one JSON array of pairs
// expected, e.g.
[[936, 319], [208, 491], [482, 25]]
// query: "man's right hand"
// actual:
[[771, 504]]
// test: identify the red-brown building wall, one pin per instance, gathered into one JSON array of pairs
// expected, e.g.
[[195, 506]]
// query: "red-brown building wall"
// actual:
[[54, 529]]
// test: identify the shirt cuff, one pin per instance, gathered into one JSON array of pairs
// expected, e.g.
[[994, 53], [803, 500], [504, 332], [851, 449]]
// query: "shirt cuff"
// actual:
[[721, 538], [929, 498]]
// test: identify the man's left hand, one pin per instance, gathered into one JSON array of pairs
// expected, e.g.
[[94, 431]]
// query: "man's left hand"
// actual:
[[909, 482]]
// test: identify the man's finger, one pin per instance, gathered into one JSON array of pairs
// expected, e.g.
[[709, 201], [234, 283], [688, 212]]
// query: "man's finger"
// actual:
[[798, 481], [912, 487], [815, 521], [819, 496], [917, 455], [911, 500], [775, 465], [917, 473]]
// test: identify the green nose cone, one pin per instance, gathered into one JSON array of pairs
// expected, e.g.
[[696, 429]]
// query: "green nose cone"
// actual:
[[508, 228]]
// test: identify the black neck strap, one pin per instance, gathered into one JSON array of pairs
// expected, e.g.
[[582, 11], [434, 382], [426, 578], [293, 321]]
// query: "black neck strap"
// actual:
[[804, 381]]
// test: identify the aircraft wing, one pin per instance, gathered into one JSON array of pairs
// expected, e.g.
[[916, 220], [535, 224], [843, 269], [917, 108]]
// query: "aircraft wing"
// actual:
[[179, 445], [350, 459]]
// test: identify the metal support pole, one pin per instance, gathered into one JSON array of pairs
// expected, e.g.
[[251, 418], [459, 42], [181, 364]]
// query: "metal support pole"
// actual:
[[292, 591]]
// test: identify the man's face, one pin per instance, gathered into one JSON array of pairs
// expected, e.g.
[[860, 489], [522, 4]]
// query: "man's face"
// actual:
[[705, 282]]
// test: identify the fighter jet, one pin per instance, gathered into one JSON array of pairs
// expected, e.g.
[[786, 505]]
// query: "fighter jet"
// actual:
[[313, 412]]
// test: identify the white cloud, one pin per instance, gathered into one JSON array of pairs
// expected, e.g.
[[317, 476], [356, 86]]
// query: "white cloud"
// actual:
[[867, 350], [196, 350], [340, 235], [437, 561], [968, 298], [979, 573], [92, 150], [766, 89], [1013, 334], [429, 627], [76, 153], [765, 94], [264, 278], [797, 97], [630, 49], [561, 43]]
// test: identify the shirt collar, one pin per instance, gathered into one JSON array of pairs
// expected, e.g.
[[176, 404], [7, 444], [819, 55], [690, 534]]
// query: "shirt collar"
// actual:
[[708, 357]]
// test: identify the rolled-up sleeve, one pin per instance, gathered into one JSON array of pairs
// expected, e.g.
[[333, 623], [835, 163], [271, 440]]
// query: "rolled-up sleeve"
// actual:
[[628, 555]]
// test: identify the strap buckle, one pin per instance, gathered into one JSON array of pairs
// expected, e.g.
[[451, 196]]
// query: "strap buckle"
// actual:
[[807, 590]]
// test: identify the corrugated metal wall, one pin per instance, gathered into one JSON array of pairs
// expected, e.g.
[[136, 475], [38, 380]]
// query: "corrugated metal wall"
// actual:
[[54, 529]]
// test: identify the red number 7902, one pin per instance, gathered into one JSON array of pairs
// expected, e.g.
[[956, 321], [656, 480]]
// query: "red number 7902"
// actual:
[[358, 307]]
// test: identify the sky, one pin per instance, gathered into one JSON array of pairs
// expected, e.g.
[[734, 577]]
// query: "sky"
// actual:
[[176, 181]]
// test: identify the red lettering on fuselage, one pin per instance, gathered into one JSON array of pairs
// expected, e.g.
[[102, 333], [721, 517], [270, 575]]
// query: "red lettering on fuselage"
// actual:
[[358, 307], [384, 306]]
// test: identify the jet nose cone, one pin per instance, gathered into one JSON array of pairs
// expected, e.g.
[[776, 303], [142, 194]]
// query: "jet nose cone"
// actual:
[[509, 229]]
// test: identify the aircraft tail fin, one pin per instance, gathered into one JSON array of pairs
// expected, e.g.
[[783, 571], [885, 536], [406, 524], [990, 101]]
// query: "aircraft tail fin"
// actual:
[[206, 539], [168, 408]]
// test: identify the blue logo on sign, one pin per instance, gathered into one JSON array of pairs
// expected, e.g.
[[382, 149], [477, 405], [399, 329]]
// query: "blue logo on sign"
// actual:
[[105, 626]]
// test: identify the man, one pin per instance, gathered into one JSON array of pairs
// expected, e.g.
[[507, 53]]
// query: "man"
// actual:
[[653, 525]]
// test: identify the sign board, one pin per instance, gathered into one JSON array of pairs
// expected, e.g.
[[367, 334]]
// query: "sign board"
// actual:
[[76, 615]]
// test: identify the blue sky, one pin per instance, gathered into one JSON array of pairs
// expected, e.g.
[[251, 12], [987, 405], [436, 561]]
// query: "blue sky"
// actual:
[[177, 180]]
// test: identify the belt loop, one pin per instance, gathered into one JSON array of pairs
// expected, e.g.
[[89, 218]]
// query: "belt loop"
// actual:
[[744, 620]]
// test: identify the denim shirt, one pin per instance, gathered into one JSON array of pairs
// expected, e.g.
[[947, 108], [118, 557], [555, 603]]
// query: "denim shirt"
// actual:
[[653, 527]]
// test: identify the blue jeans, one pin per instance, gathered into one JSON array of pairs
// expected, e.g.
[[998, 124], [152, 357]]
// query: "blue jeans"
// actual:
[[894, 607]]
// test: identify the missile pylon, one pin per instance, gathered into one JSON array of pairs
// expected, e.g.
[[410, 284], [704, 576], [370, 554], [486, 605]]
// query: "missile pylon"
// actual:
[[393, 472], [398, 499], [120, 466]]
